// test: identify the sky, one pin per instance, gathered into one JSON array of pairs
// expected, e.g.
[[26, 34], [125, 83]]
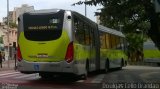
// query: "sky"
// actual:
[[48, 4]]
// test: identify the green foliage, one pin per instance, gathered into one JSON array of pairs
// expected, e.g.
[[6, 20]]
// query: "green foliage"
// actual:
[[1, 40], [129, 13], [13, 25], [135, 46], [132, 15]]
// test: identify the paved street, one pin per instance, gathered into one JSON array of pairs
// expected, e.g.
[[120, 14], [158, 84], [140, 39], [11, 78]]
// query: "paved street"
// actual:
[[133, 77], [33, 81], [129, 77], [8, 65]]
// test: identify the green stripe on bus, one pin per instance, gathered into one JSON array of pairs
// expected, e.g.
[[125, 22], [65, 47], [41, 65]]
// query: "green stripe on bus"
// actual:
[[113, 54], [83, 52], [151, 54]]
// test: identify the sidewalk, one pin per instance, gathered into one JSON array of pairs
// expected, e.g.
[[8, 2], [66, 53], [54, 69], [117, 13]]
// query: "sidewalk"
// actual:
[[143, 64], [5, 66]]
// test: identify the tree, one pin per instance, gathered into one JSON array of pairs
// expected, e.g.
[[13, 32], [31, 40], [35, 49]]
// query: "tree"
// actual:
[[13, 25], [133, 15]]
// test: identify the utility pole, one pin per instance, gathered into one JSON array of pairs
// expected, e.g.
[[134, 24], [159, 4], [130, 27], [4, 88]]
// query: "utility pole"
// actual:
[[8, 30], [85, 9]]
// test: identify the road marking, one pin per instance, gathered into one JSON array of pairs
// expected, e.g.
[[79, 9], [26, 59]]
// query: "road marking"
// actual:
[[9, 73], [25, 76], [33, 77], [18, 75]]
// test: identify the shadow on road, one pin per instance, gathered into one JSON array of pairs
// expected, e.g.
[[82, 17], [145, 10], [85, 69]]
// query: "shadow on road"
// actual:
[[65, 79]]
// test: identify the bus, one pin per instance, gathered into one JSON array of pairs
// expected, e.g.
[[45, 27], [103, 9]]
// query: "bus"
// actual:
[[57, 42], [151, 52]]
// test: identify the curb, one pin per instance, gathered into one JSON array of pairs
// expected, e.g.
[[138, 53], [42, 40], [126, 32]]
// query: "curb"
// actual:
[[142, 63]]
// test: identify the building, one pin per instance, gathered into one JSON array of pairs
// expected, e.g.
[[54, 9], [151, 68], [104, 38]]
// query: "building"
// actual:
[[13, 15], [4, 19], [21, 10], [4, 39], [6, 32], [10, 15], [12, 18], [1, 37], [6, 42]]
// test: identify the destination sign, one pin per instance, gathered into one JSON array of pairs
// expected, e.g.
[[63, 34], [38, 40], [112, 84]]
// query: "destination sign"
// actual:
[[42, 27]]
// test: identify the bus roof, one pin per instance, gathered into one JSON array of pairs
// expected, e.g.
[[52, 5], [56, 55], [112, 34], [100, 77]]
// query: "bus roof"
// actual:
[[111, 31], [149, 44], [44, 11], [100, 27]]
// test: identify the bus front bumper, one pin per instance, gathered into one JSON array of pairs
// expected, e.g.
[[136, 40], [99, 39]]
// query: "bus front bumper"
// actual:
[[54, 67]]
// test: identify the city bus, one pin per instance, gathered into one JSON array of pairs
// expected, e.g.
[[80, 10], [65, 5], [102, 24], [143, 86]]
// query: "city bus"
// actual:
[[57, 42], [151, 52]]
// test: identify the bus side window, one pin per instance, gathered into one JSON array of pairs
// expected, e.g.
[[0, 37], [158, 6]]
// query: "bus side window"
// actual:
[[75, 28], [118, 42], [124, 45], [102, 39], [79, 31], [107, 40], [121, 43], [87, 35], [92, 37], [111, 41]]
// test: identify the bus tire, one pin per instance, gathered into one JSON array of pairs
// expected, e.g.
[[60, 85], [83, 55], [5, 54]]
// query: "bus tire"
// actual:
[[87, 66], [125, 63], [84, 76], [122, 64], [106, 65]]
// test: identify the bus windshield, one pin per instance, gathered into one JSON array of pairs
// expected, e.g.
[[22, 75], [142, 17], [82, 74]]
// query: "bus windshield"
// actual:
[[43, 27]]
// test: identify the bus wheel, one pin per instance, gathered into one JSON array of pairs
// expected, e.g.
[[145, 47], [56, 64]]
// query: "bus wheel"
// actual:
[[107, 66], [121, 64], [87, 66], [84, 76]]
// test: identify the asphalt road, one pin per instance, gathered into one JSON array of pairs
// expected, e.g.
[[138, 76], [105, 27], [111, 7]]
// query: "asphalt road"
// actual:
[[130, 77], [133, 77]]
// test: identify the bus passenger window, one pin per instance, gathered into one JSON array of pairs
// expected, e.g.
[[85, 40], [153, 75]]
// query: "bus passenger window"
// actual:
[[92, 37], [79, 31], [87, 35]]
